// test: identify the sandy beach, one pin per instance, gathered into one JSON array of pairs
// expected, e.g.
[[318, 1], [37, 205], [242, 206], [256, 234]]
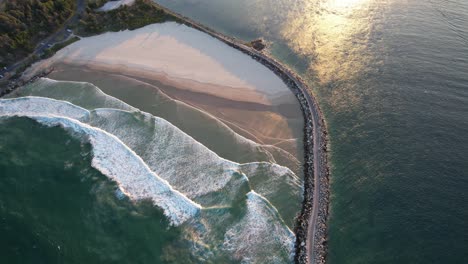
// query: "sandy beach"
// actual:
[[194, 68], [181, 56], [111, 5]]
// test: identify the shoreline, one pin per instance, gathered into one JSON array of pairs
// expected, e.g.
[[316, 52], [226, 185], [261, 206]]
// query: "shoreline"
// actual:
[[311, 224], [311, 243], [14, 84]]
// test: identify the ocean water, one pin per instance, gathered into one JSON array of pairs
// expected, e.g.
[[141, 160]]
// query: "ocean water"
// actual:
[[56, 208], [392, 79], [209, 209]]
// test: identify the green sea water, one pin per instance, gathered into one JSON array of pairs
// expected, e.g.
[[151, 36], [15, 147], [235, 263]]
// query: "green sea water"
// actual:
[[171, 197], [56, 208], [392, 79]]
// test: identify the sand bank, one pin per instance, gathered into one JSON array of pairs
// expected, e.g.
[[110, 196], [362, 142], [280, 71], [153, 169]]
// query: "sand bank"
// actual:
[[197, 69], [316, 188], [262, 124], [111, 5], [183, 57]]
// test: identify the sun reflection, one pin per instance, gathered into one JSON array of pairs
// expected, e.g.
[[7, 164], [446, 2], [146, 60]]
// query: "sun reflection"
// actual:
[[345, 3], [335, 33]]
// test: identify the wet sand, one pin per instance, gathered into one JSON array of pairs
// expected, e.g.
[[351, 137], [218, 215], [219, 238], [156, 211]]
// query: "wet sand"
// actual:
[[197, 69], [179, 56], [263, 124]]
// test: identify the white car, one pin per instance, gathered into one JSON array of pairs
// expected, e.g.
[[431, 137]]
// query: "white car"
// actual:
[[1, 76], [69, 30]]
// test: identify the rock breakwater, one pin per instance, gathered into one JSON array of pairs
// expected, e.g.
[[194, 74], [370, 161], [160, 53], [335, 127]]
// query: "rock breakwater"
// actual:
[[311, 226]]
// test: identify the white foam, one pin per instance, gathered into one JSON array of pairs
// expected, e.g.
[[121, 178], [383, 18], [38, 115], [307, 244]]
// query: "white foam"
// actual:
[[89, 96], [83, 94], [39, 105], [190, 168], [185, 163], [255, 237], [115, 160]]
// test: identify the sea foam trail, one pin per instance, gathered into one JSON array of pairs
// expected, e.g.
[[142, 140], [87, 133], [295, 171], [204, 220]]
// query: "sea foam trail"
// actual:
[[115, 160], [91, 97], [34, 105], [194, 169], [257, 228], [185, 163], [82, 94], [250, 239]]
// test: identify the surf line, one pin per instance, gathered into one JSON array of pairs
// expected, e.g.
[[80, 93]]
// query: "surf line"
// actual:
[[311, 224], [16, 83]]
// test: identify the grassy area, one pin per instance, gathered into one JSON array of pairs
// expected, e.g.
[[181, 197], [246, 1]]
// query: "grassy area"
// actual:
[[141, 13], [23, 23]]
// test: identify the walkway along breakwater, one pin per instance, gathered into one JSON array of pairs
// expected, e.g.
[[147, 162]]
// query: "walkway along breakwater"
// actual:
[[311, 223]]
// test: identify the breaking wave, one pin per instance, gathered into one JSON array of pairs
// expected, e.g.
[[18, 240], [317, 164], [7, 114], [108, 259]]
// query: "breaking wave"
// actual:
[[225, 208], [186, 117], [115, 160]]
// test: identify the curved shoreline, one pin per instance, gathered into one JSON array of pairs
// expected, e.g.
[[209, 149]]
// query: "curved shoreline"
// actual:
[[311, 244]]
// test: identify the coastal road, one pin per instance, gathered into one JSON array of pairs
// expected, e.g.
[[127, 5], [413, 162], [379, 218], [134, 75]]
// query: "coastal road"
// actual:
[[60, 35], [314, 250]]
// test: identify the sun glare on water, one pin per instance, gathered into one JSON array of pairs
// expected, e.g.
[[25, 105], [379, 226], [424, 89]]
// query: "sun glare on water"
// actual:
[[344, 3], [334, 33]]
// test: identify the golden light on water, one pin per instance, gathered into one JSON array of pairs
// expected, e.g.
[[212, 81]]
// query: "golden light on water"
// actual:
[[335, 33], [344, 3]]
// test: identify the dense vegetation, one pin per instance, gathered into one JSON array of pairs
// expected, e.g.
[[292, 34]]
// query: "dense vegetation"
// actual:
[[23, 23], [141, 13]]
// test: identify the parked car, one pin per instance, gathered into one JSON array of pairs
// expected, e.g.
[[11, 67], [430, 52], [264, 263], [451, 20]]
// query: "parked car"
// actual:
[[69, 30], [1, 76]]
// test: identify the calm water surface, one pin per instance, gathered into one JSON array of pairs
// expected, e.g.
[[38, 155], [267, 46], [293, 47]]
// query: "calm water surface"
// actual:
[[392, 79]]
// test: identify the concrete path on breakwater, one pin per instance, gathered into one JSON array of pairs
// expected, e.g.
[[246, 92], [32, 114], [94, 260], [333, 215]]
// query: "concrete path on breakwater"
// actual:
[[311, 230], [311, 225]]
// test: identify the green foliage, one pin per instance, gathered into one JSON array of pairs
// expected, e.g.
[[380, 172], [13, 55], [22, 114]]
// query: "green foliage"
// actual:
[[93, 4], [24, 22], [50, 52], [141, 13]]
